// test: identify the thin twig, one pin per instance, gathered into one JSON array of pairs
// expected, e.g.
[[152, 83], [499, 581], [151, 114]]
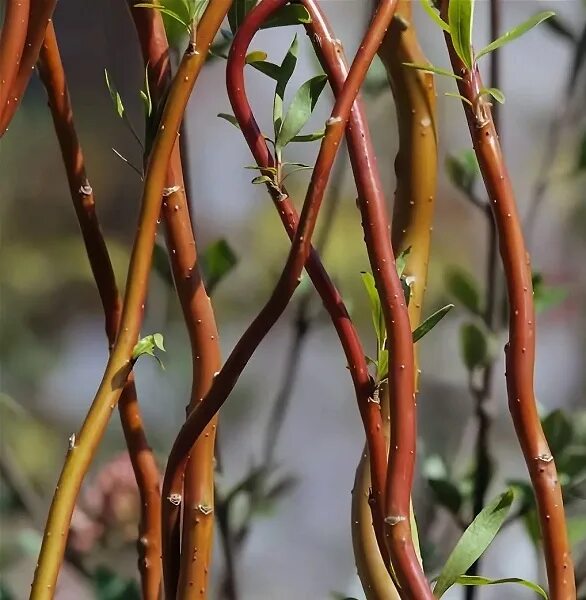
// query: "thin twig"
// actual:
[[520, 350]]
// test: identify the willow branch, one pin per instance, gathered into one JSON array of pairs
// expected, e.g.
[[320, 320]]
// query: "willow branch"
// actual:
[[119, 365], [370, 411], [520, 350], [416, 172], [375, 222], [40, 15], [142, 459], [301, 245], [12, 41], [191, 572]]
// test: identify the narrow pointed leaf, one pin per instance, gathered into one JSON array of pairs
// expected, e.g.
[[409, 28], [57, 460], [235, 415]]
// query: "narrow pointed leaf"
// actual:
[[375, 308], [261, 179], [230, 118], [286, 70], [255, 56], [146, 94], [473, 346], [238, 11], [474, 541], [291, 14], [165, 11], [310, 137], [382, 366], [300, 109], [460, 19], [114, 95], [495, 93], [431, 69], [516, 32], [462, 286], [267, 68], [459, 97], [434, 15], [477, 580], [431, 322], [401, 261], [217, 260]]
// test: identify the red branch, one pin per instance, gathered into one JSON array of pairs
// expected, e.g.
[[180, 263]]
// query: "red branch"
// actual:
[[12, 41], [375, 222], [301, 245], [520, 350], [142, 459], [40, 15], [198, 499], [331, 298]]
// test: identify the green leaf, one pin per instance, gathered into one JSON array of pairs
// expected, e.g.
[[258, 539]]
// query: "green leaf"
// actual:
[[558, 431], [300, 109], [477, 580], [114, 94], [147, 345], [462, 286], [463, 170], [473, 346], [267, 68], [238, 11], [401, 261], [286, 70], [447, 494], [516, 32], [146, 94], [216, 261], [545, 296], [197, 9], [460, 19], [230, 118], [431, 322], [459, 97], [376, 310], [432, 69], [382, 365], [290, 14], [432, 12], [474, 541], [255, 56], [165, 11], [108, 585], [494, 92], [310, 137], [262, 179]]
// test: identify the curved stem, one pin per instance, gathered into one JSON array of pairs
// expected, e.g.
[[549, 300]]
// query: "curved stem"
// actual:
[[301, 245], [12, 43], [375, 223], [186, 568], [143, 462], [520, 350], [416, 173], [120, 364], [39, 17]]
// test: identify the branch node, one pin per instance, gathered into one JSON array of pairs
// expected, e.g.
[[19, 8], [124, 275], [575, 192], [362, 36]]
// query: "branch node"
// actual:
[[174, 499], [393, 520], [170, 190], [86, 189], [546, 457], [205, 509]]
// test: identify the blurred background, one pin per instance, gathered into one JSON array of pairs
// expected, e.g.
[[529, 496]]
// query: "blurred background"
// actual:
[[53, 350]]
